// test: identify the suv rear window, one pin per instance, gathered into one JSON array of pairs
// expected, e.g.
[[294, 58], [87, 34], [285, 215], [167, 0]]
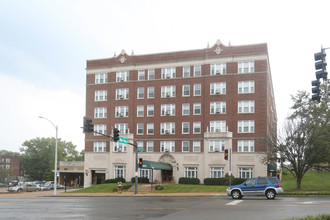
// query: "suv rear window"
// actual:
[[273, 180]]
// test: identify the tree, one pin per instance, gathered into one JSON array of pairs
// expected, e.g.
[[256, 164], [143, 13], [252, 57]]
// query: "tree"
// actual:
[[305, 140], [38, 156]]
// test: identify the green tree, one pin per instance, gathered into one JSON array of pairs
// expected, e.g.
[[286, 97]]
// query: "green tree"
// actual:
[[38, 155], [305, 140]]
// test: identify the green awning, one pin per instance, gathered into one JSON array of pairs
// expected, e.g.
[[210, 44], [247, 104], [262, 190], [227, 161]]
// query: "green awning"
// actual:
[[156, 165], [271, 168]]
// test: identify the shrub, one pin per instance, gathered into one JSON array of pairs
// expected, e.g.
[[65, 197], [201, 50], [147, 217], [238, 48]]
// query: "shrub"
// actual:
[[237, 181], [159, 187], [119, 179], [140, 180], [123, 187], [185, 180], [215, 181]]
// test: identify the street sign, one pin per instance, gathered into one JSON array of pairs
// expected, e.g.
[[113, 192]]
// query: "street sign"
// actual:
[[141, 150], [123, 140]]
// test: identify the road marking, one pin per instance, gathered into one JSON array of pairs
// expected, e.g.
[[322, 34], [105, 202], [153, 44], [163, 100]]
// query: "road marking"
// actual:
[[235, 202]]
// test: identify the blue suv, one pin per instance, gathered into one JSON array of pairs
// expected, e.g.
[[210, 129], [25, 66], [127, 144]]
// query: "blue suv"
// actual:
[[268, 186]]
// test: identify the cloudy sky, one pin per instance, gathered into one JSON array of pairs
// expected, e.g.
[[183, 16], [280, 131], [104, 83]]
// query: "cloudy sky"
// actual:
[[44, 46]]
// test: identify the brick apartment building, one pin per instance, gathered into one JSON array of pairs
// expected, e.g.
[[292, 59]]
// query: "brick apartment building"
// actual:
[[182, 109], [11, 163]]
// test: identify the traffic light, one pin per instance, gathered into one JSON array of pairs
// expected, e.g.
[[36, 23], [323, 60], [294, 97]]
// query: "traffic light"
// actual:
[[140, 162], [88, 125], [321, 65], [316, 90], [115, 134], [226, 154]]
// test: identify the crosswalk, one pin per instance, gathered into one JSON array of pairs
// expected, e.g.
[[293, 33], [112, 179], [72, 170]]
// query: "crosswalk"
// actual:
[[235, 202]]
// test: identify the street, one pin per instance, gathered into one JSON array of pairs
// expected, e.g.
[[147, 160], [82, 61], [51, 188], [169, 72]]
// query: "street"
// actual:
[[215, 207]]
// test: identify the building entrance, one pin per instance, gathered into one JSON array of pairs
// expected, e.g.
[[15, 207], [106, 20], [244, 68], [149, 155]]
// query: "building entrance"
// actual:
[[167, 176]]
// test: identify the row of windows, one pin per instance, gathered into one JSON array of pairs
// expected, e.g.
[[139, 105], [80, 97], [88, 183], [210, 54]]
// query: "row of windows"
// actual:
[[2, 160], [244, 126], [216, 88], [170, 109], [169, 73], [7, 166], [187, 146], [189, 172]]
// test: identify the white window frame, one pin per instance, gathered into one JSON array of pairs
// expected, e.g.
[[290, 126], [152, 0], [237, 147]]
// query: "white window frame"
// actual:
[[218, 88], [185, 107], [101, 78], [185, 89], [245, 146], [100, 146], [168, 91], [141, 75], [167, 128], [217, 145], [246, 106], [150, 109], [139, 128], [197, 146], [197, 107], [122, 93], [140, 111], [184, 147], [168, 73], [145, 173], [245, 87], [191, 172], [101, 95], [197, 89], [122, 127], [185, 71], [151, 74], [122, 76], [167, 146], [197, 126], [245, 67], [150, 146], [218, 69], [119, 147], [245, 126], [197, 70], [140, 146], [217, 107], [217, 172], [217, 126], [185, 127], [245, 172], [140, 93], [167, 110], [119, 171], [100, 112], [121, 111], [150, 128], [100, 128], [151, 92]]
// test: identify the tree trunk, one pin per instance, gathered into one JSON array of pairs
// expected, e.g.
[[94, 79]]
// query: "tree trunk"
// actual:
[[298, 180]]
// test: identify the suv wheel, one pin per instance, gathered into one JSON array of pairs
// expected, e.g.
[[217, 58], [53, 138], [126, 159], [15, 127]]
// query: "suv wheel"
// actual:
[[19, 190], [236, 194], [270, 194]]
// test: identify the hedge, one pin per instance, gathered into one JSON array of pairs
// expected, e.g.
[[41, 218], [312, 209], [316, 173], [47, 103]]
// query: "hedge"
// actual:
[[140, 180], [215, 181], [185, 180], [116, 180]]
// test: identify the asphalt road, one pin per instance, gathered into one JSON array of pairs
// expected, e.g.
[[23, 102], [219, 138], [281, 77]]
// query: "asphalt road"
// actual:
[[190, 208]]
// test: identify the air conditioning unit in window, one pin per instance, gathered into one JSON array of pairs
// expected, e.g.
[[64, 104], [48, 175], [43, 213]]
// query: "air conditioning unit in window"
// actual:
[[218, 73], [217, 91], [168, 94], [167, 150], [167, 131], [216, 150], [121, 114], [122, 79], [168, 112], [168, 75], [217, 130], [121, 97], [218, 110], [119, 149]]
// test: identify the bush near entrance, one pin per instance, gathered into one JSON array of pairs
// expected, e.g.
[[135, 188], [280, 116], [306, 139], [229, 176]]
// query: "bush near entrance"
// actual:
[[140, 180], [116, 180], [185, 180]]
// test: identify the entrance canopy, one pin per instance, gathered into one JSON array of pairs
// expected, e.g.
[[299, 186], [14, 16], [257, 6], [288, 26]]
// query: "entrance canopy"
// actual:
[[271, 168], [156, 165]]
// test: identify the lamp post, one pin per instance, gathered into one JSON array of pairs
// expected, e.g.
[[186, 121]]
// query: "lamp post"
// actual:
[[55, 171]]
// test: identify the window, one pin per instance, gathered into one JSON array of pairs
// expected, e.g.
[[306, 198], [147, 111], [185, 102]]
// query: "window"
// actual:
[[190, 172], [167, 146], [7, 166], [150, 110], [218, 108], [186, 71], [196, 146], [246, 106], [218, 69], [197, 89], [197, 127], [245, 173], [217, 126], [185, 127], [186, 90], [218, 88], [100, 129], [99, 146], [100, 95], [122, 93], [140, 111], [120, 171], [246, 126], [246, 67], [119, 147], [168, 73], [139, 128], [197, 108], [167, 128], [185, 146], [168, 91], [123, 128], [100, 112], [217, 172], [140, 93], [185, 109], [245, 145], [150, 146], [151, 92], [121, 111], [168, 110], [150, 128], [151, 74], [101, 78], [144, 173], [245, 87], [197, 71], [7, 160], [141, 75], [139, 145], [217, 145], [262, 180], [122, 76]]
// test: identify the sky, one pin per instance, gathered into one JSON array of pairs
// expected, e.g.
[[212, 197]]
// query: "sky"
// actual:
[[44, 46]]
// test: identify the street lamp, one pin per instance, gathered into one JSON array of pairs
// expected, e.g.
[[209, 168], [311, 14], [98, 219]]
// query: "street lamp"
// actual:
[[55, 179]]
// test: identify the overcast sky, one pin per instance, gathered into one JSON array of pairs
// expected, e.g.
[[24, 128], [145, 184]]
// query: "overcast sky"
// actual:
[[44, 46]]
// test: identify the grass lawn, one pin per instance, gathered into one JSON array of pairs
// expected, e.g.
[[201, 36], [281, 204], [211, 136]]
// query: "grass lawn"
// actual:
[[100, 188], [182, 188]]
